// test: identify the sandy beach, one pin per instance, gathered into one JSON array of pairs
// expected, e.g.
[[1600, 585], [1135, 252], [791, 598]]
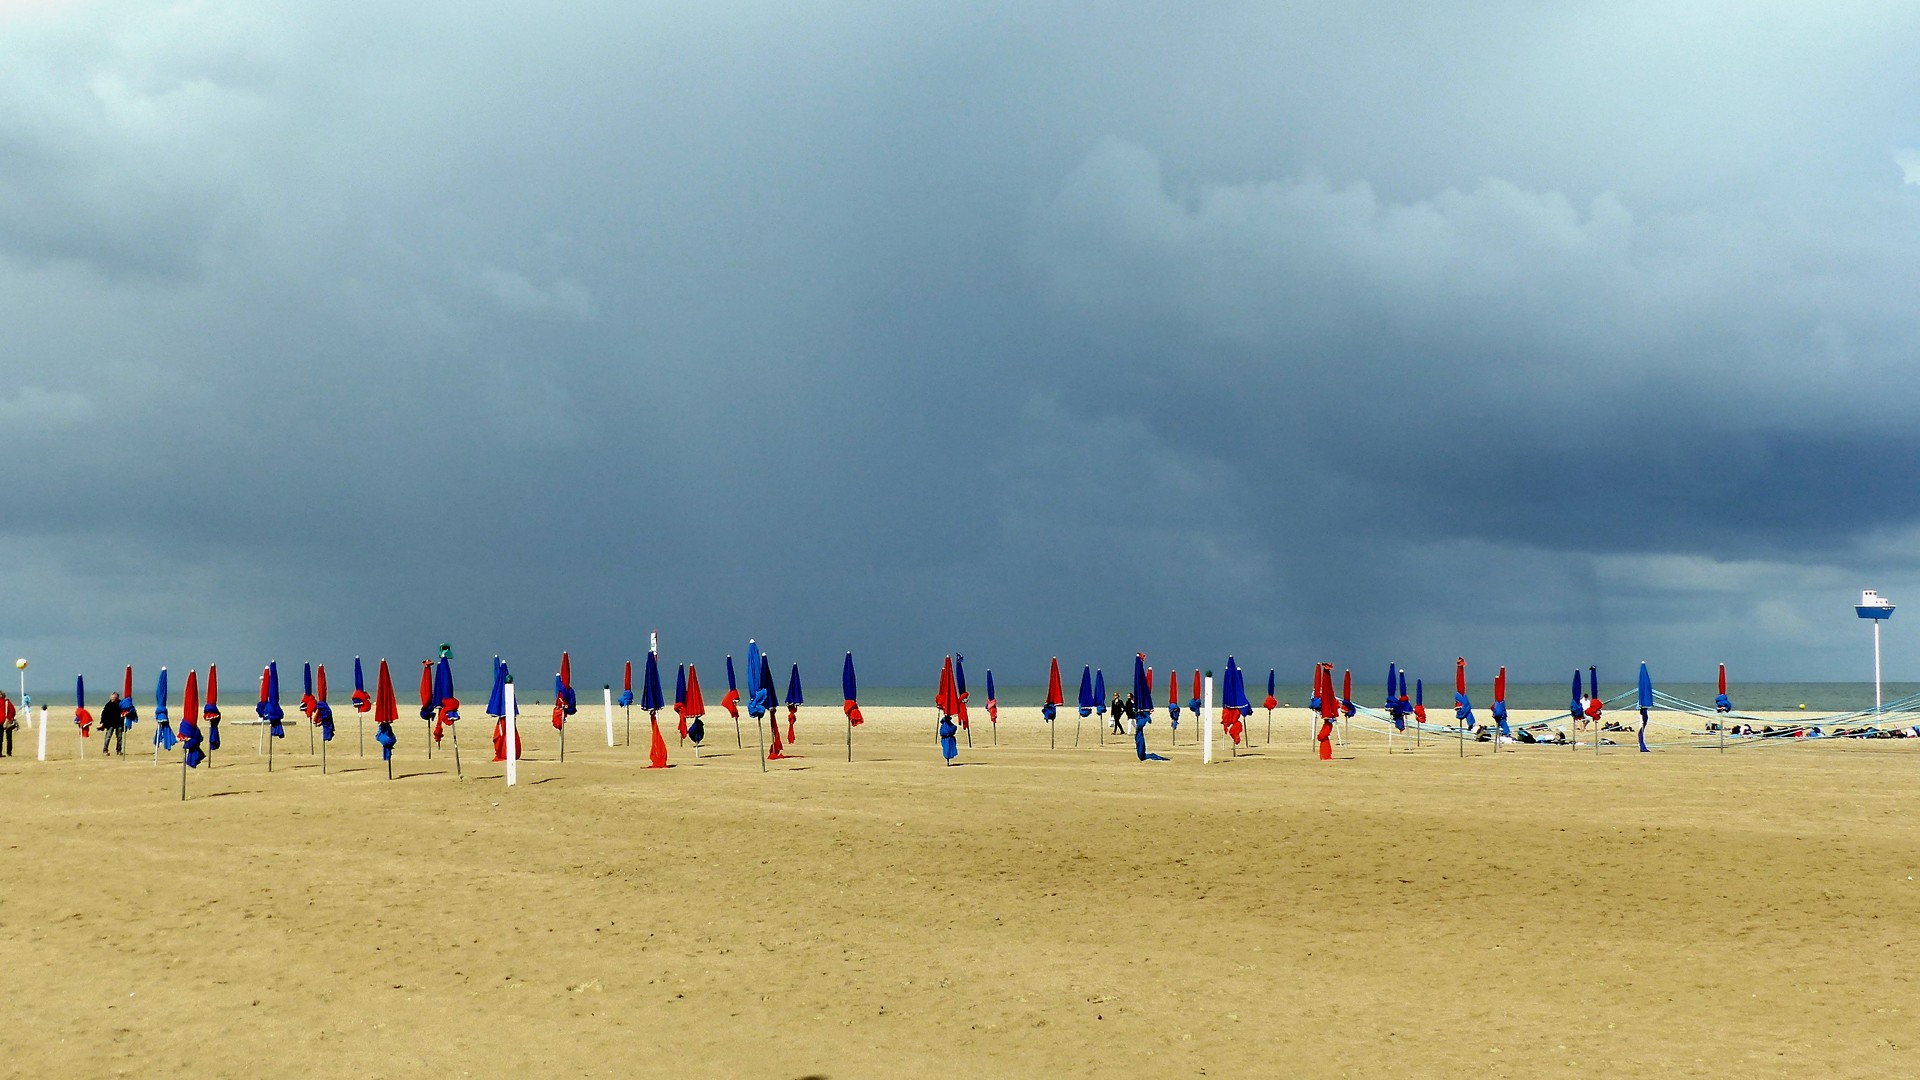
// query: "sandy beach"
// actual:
[[1067, 912]]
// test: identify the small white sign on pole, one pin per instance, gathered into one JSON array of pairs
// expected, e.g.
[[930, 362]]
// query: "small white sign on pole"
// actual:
[[43, 732], [1206, 724], [513, 739], [606, 698]]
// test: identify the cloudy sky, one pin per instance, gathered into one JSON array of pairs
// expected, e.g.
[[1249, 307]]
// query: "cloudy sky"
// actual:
[[1545, 333]]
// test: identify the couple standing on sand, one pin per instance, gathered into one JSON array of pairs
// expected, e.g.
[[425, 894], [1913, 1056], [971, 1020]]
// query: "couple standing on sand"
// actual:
[[1122, 708]]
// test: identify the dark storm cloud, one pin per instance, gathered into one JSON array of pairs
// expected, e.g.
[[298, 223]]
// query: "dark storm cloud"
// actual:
[[1388, 332]]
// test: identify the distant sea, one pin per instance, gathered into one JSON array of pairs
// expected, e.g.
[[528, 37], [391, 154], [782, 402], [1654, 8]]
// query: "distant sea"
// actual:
[[1747, 697]]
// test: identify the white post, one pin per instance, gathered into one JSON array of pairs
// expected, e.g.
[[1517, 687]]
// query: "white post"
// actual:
[[43, 733], [513, 739], [24, 703], [1206, 723], [606, 701], [1876, 665]]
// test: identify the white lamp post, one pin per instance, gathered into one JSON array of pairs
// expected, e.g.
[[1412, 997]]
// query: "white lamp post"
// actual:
[[24, 703], [1876, 609]]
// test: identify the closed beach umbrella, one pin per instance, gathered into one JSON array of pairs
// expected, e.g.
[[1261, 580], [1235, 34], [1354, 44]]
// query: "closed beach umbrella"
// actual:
[[321, 706], [653, 700], [1574, 707], [362, 701], [1462, 708], [850, 693], [1271, 702], [993, 701], [386, 711], [1420, 701], [189, 727], [756, 696], [731, 701], [1056, 697], [447, 706], [796, 697], [309, 705], [1229, 702], [696, 708], [1723, 703], [1143, 707], [947, 700], [1086, 690], [129, 712], [1346, 694], [960, 688], [163, 731], [1646, 702], [269, 708], [1173, 698], [626, 685], [1594, 705], [680, 697], [1500, 701], [210, 712], [1100, 691], [81, 717], [497, 708]]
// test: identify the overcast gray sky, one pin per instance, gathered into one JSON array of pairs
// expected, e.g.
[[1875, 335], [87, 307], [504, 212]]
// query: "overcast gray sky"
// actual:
[[1547, 334]]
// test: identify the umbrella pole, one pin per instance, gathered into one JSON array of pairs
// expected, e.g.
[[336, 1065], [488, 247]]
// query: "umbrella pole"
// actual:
[[259, 738], [429, 740], [629, 735], [1269, 726], [183, 776], [456, 753], [361, 722], [323, 757], [269, 755], [849, 741], [969, 730], [1076, 728], [761, 737], [563, 740], [309, 737]]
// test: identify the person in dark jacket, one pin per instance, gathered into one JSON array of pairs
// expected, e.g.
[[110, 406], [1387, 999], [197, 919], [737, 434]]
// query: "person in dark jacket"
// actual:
[[113, 727]]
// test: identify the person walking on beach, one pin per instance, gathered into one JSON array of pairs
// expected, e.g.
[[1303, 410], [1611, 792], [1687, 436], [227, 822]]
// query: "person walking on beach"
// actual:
[[1113, 714], [113, 727], [9, 723]]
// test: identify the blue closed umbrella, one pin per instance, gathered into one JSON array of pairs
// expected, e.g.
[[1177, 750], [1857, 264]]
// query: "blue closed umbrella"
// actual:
[[270, 709], [756, 694], [766, 684], [1086, 690], [651, 699], [163, 733], [497, 695], [1100, 692], [1646, 702], [1143, 708], [1573, 706], [849, 687], [795, 696]]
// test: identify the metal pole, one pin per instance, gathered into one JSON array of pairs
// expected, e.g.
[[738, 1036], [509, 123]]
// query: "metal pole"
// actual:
[[1876, 665], [513, 733]]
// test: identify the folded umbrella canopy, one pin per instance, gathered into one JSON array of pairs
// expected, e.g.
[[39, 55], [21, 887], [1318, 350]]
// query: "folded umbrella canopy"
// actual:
[[1272, 702], [362, 701], [497, 708], [190, 739], [1050, 708], [1086, 690], [163, 731], [993, 702], [947, 700], [210, 712], [386, 712], [1143, 707], [960, 688], [269, 707], [850, 694], [652, 700], [1229, 703], [680, 698], [309, 705], [1393, 699], [770, 704], [1594, 705], [1173, 699], [1576, 708], [446, 706], [1645, 703], [81, 716], [696, 708], [730, 701], [1329, 709], [1723, 703], [1099, 691], [565, 701], [1420, 701], [323, 710], [1193, 703], [796, 697], [1500, 701], [129, 712], [757, 690], [1462, 708], [626, 686]]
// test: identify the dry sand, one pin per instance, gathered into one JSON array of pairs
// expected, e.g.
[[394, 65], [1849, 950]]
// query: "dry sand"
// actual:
[[1035, 912]]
